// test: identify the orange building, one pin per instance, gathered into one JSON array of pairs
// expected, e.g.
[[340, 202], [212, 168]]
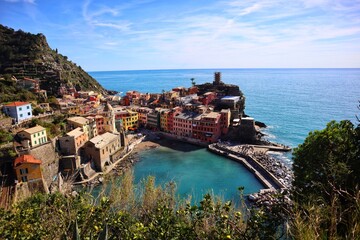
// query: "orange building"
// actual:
[[27, 169]]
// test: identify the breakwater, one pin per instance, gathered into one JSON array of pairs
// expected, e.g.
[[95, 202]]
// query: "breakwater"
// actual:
[[272, 173]]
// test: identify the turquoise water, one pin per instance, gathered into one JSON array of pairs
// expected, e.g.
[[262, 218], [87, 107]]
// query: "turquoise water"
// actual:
[[291, 102], [196, 172]]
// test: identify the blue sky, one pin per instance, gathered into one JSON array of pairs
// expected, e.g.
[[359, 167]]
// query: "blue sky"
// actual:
[[172, 34]]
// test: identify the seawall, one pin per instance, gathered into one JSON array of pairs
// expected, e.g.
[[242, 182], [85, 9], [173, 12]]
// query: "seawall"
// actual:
[[263, 175]]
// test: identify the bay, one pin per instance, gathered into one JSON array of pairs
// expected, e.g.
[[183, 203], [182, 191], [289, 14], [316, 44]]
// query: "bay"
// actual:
[[292, 102]]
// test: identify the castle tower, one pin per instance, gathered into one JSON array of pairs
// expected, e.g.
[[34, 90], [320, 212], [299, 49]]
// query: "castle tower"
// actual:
[[109, 119], [217, 78]]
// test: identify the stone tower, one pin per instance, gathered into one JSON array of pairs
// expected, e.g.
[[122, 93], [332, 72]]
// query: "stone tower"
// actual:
[[217, 78], [109, 119]]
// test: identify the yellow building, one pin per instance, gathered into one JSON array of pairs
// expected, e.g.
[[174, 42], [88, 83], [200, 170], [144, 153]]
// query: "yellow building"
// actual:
[[129, 118], [27, 169], [33, 137], [164, 119]]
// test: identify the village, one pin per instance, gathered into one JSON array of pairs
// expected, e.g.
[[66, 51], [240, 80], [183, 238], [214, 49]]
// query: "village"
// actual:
[[102, 130]]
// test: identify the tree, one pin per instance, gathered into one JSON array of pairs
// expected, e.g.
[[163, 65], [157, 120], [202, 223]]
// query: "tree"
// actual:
[[37, 111], [193, 83], [327, 171], [326, 159]]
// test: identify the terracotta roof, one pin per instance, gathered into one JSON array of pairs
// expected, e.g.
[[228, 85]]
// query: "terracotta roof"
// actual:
[[26, 159], [16, 104]]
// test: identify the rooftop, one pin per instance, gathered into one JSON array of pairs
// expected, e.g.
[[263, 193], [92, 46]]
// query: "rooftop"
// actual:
[[26, 159], [187, 115], [16, 104], [102, 140], [234, 98], [35, 129], [79, 120], [75, 133], [211, 115]]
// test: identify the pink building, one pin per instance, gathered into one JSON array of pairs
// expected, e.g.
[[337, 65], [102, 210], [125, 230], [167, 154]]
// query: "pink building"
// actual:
[[183, 124], [170, 118], [207, 127]]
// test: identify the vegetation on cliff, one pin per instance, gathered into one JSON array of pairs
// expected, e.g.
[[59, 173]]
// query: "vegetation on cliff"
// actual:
[[28, 55], [326, 184]]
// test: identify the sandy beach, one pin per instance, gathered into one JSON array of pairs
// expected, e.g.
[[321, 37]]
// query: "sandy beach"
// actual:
[[145, 145]]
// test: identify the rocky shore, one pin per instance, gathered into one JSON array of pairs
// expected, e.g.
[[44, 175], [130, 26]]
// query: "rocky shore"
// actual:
[[283, 174]]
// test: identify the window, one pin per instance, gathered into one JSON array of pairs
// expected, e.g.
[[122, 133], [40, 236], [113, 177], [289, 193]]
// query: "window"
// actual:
[[24, 171], [20, 109], [24, 179], [28, 107], [34, 142], [29, 113], [21, 115]]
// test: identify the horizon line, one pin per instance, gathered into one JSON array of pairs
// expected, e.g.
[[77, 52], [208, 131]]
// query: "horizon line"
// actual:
[[262, 68]]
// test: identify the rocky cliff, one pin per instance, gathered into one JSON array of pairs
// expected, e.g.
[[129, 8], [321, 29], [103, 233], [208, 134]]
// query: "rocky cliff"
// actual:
[[28, 55]]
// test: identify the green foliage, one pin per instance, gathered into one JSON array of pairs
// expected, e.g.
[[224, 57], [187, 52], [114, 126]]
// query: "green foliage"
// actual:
[[10, 92], [327, 159], [37, 111], [5, 136], [327, 176], [54, 128], [155, 213]]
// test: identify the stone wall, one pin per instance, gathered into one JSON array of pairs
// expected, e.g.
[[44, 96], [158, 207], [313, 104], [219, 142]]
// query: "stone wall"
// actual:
[[50, 161]]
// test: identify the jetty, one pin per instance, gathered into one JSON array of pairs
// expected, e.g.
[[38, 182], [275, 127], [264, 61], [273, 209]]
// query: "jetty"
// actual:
[[271, 173]]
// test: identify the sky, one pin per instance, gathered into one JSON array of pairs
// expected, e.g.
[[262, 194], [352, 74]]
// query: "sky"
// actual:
[[191, 34]]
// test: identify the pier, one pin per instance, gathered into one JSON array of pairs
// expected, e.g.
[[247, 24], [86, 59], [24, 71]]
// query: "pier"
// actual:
[[249, 159]]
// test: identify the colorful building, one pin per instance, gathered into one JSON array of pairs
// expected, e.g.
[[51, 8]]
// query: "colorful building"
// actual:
[[72, 141], [88, 125], [164, 113], [207, 127], [170, 118], [27, 169], [33, 137], [129, 118], [19, 111], [183, 124]]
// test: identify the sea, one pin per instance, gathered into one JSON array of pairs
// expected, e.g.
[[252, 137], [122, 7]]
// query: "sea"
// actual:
[[291, 102]]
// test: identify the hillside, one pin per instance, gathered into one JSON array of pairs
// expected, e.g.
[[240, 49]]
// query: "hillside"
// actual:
[[28, 55]]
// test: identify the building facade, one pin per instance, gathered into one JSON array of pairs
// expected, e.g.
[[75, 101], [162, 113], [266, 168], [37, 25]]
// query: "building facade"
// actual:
[[19, 111], [27, 169], [33, 137], [207, 127], [72, 141], [101, 149]]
